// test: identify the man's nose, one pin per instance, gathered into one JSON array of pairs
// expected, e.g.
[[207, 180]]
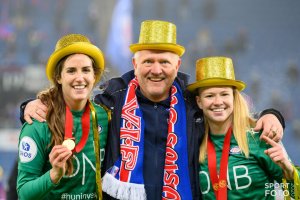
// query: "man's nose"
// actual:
[[156, 68]]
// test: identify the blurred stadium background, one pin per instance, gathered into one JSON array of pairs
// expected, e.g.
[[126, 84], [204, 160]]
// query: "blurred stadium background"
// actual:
[[262, 37]]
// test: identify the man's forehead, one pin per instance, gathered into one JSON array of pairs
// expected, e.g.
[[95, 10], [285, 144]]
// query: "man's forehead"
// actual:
[[149, 53]]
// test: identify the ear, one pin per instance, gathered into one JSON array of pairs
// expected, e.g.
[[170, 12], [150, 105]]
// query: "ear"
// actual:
[[178, 64], [199, 103], [58, 79], [134, 64]]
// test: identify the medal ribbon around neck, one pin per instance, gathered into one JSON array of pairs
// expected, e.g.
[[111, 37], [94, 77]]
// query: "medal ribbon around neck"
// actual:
[[219, 183], [85, 123]]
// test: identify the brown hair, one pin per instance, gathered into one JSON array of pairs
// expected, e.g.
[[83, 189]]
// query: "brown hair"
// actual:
[[53, 99]]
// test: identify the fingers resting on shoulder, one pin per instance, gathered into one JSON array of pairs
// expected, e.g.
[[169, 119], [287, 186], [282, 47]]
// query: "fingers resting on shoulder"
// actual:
[[271, 127], [35, 109]]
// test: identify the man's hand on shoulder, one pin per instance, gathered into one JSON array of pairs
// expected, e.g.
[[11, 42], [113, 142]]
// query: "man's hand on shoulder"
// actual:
[[35, 109], [271, 126]]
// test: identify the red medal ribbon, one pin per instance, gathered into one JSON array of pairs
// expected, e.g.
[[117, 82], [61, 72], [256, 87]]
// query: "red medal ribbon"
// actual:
[[85, 123], [219, 183]]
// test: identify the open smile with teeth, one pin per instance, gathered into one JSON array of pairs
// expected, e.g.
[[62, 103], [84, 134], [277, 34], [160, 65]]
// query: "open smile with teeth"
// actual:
[[218, 109], [79, 87], [156, 79]]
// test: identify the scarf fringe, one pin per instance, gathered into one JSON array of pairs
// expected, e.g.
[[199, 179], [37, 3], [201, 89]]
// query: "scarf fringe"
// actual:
[[122, 190]]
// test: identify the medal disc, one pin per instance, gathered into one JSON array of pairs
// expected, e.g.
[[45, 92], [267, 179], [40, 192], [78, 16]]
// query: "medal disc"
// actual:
[[69, 143]]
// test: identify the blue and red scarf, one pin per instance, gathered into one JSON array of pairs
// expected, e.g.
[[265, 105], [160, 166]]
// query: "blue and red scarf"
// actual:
[[125, 179]]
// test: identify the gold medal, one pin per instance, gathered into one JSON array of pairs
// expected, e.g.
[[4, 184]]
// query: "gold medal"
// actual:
[[69, 143], [216, 186], [222, 183]]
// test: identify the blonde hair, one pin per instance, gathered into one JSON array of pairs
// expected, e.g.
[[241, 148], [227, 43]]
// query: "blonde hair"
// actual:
[[242, 122]]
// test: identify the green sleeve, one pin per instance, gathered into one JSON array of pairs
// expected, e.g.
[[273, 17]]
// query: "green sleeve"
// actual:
[[293, 186], [31, 186], [257, 146], [33, 180], [272, 169]]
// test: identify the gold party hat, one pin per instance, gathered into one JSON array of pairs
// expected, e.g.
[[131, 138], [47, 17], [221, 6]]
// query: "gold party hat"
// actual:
[[157, 35], [70, 44], [215, 71]]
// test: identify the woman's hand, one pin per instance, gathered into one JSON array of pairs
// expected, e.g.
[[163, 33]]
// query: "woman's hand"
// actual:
[[58, 158], [278, 155]]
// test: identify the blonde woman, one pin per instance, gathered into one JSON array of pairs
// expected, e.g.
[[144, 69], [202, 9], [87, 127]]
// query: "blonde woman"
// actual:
[[234, 162]]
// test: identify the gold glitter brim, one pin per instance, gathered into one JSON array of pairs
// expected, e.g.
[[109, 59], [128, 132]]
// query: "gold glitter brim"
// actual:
[[78, 47], [240, 85], [175, 48]]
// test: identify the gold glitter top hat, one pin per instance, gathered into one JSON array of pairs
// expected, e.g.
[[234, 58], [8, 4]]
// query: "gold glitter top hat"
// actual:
[[157, 35], [215, 71], [71, 44]]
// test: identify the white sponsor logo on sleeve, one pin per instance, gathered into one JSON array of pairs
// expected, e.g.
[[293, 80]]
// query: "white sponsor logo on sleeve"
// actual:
[[27, 149]]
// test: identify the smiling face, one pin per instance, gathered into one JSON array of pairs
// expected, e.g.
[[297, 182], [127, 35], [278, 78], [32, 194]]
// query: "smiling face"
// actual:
[[77, 80], [156, 72], [217, 104]]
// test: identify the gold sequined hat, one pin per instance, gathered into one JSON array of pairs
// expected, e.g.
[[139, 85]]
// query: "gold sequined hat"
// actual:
[[215, 71], [70, 44], [157, 35]]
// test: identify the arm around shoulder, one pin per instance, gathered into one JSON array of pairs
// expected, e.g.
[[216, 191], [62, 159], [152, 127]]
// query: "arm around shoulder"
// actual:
[[22, 109], [276, 113]]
